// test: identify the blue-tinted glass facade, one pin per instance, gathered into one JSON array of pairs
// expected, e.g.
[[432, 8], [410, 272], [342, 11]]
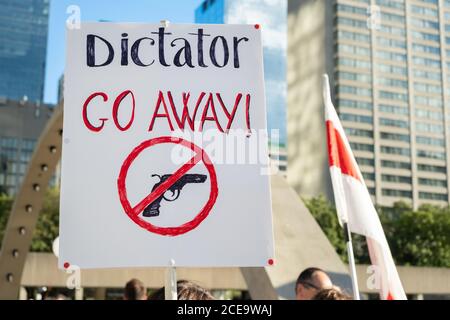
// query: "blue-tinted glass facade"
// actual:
[[272, 16], [23, 43], [210, 11]]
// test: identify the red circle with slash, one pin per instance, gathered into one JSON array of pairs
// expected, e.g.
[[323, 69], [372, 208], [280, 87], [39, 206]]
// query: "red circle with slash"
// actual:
[[133, 212]]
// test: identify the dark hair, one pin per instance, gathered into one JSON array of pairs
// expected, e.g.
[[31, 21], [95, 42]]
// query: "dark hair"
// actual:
[[134, 290], [306, 277], [187, 290], [331, 294]]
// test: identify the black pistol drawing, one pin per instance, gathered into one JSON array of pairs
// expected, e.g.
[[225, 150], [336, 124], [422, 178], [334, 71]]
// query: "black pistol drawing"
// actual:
[[152, 210]]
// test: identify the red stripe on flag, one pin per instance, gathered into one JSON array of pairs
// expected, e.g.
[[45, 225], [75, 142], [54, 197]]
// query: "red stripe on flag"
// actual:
[[338, 155], [390, 297]]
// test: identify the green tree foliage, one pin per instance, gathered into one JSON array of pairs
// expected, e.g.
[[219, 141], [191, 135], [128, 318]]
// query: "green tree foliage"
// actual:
[[419, 238], [422, 237], [48, 222], [47, 228], [5, 208], [325, 214]]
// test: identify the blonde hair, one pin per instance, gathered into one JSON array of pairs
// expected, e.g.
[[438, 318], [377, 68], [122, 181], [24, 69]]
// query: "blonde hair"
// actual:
[[334, 293]]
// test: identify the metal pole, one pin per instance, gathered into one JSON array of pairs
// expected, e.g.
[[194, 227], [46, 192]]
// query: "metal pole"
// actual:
[[351, 261], [170, 283]]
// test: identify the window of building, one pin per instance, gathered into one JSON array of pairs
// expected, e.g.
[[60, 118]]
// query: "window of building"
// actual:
[[28, 144], [393, 123], [386, 68], [431, 1], [433, 196], [431, 168], [396, 193], [392, 95], [359, 132], [354, 76], [11, 180], [391, 56], [392, 17], [9, 154], [368, 176], [431, 154], [391, 30], [393, 109], [365, 161], [391, 43], [428, 127], [428, 101], [392, 82], [426, 49], [356, 118], [8, 142], [361, 146], [354, 36], [395, 164], [427, 62], [424, 11], [427, 88], [347, 103], [353, 49], [425, 36], [394, 136], [351, 22], [430, 141], [427, 74], [354, 90], [396, 179], [395, 150], [354, 63], [351, 9], [391, 4], [433, 182], [427, 24], [428, 114]]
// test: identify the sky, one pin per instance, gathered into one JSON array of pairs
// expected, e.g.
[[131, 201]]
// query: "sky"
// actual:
[[151, 11]]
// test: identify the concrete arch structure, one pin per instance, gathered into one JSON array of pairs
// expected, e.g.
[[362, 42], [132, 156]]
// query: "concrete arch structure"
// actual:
[[27, 205], [299, 241]]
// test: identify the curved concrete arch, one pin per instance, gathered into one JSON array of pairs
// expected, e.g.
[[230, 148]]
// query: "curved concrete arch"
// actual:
[[27, 205]]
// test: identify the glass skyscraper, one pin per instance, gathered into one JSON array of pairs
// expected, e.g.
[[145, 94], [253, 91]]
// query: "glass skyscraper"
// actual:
[[272, 16], [389, 62], [23, 43]]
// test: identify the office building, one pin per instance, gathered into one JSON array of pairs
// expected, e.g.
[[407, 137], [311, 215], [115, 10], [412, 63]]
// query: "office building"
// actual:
[[271, 15], [388, 62], [23, 44], [21, 124]]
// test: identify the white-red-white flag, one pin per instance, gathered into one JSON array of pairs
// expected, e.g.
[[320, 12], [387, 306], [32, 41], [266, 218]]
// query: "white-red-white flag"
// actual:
[[354, 204]]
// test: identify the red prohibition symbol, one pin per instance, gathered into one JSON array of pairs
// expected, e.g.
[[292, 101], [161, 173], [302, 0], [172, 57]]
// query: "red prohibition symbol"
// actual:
[[133, 212]]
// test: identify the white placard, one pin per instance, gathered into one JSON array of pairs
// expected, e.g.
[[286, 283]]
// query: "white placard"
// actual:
[[164, 147]]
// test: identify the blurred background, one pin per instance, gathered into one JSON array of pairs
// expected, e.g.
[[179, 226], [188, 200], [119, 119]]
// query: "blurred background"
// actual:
[[389, 67]]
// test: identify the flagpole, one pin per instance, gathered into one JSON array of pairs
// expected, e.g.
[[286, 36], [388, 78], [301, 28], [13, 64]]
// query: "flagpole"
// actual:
[[351, 261]]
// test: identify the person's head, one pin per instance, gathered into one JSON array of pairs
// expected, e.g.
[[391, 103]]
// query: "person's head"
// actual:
[[135, 290], [331, 294], [311, 281], [186, 290]]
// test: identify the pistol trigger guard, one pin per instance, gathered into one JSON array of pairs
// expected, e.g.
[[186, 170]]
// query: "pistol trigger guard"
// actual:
[[172, 197]]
